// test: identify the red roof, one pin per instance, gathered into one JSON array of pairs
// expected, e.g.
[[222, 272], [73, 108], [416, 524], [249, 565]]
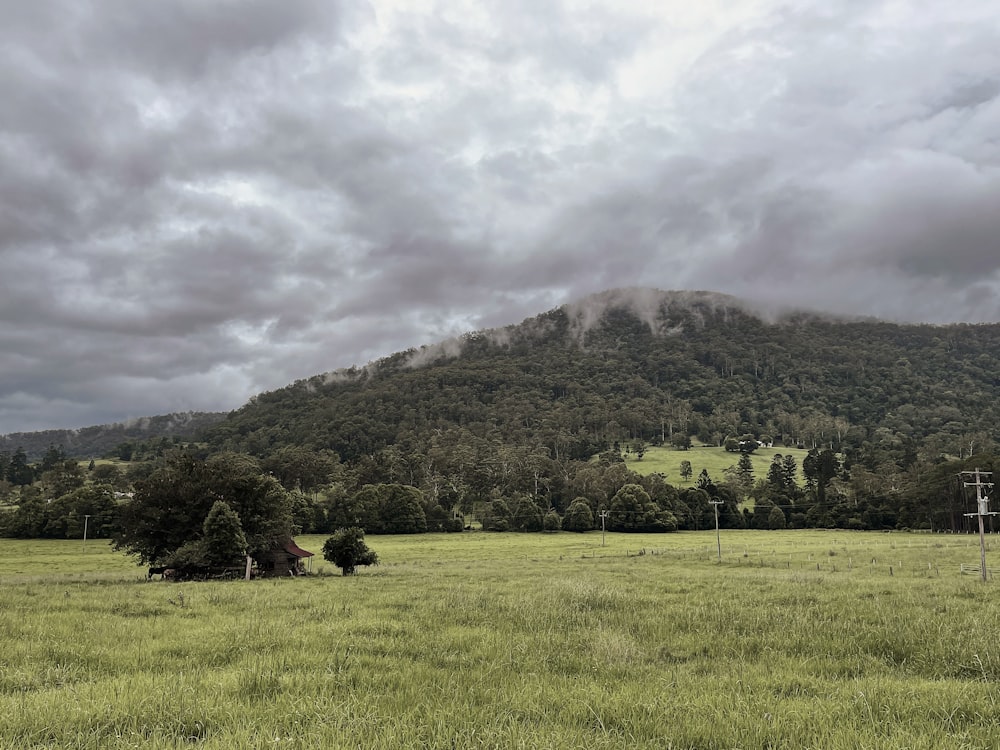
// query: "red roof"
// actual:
[[293, 549]]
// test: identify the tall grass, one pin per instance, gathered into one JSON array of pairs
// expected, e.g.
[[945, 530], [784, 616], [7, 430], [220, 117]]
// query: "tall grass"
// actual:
[[794, 640]]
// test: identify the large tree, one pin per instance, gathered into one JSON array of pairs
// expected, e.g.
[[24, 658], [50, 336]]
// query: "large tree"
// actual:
[[633, 510], [171, 505]]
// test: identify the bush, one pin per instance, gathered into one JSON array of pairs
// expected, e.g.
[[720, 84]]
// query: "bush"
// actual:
[[552, 521], [776, 518], [347, 550], [579, 516]]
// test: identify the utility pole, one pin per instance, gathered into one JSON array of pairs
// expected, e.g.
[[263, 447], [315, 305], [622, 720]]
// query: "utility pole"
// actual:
[[86, 522], [982, 510], [603, 514], [716, 502]]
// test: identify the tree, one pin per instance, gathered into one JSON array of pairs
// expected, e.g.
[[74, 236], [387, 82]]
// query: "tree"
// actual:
[[744, 471], [170, 506], [52, 457], [790, 471], [225, 543], [704, 480], [552, 521], [401, 511], [686, 471], [776, 518], [497, 516], [776, 473], [124, 451], [297, 467], [347, 550], [19, 471], [681, 442], [579, 516], [633, 510], [527, 516], [62, 478], [108, 474], [389, 509]]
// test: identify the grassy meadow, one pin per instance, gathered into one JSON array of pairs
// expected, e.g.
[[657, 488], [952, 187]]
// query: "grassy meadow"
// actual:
[[667, 461], [804, 639]]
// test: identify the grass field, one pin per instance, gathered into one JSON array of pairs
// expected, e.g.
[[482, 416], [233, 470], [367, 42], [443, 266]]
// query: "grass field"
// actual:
[[715, 460], [803, 639]]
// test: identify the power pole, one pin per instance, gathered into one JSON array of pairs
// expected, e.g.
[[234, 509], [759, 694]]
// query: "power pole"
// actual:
[[603, 514], [86, 522], [716, 502], [982, 510]]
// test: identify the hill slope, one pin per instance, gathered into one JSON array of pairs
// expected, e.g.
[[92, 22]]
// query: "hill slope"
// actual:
[[643, 363]]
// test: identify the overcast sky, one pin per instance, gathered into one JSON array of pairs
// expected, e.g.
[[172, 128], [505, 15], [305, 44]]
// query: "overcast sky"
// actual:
[[200, 200]]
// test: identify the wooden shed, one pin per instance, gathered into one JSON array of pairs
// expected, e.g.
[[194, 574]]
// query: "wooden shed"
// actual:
[[286, 559]]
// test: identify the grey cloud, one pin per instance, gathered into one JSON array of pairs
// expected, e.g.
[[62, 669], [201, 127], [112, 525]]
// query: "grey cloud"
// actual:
[[199, 200]]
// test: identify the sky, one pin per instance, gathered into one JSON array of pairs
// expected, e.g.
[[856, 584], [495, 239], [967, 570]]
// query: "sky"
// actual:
[[203, 199]]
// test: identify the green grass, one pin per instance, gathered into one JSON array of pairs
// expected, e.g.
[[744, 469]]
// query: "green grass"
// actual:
[[715, 460], [796, 640]]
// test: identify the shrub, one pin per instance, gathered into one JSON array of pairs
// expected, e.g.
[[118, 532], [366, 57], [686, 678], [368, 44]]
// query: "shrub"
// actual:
[[347, 550], [552, 521]]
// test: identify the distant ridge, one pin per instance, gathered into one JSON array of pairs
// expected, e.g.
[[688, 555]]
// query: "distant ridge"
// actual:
[[91, 442]]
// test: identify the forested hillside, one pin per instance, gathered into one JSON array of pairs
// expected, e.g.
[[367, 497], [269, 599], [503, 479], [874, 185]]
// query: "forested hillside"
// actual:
[[642, 365]]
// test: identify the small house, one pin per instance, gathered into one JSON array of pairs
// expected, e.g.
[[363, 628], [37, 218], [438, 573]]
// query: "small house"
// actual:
[[286, 559]]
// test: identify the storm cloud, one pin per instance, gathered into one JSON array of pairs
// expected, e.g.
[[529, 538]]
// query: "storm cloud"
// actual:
[[203, 199]]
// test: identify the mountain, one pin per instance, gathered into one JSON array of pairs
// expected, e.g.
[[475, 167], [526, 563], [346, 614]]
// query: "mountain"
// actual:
[[644, 364], [91, 442]]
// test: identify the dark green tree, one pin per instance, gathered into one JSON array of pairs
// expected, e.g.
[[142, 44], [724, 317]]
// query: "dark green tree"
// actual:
[[222, 533], [681, 442], [53, 456], [390, 509], [62, 477], [776, 473], [170, 506], [347, 550], [527, 516], [497, 516], [790, 471], [744, 471], [686, 471], [19, 471], [633, 510], [579, 516], [402, 510], [552, 521], [300, 468]]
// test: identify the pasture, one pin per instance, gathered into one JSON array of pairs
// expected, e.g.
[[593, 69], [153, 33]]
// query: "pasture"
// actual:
[[803, 639], [715, 460]]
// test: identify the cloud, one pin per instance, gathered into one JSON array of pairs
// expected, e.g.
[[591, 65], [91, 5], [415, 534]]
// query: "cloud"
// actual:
[[204, 199]]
